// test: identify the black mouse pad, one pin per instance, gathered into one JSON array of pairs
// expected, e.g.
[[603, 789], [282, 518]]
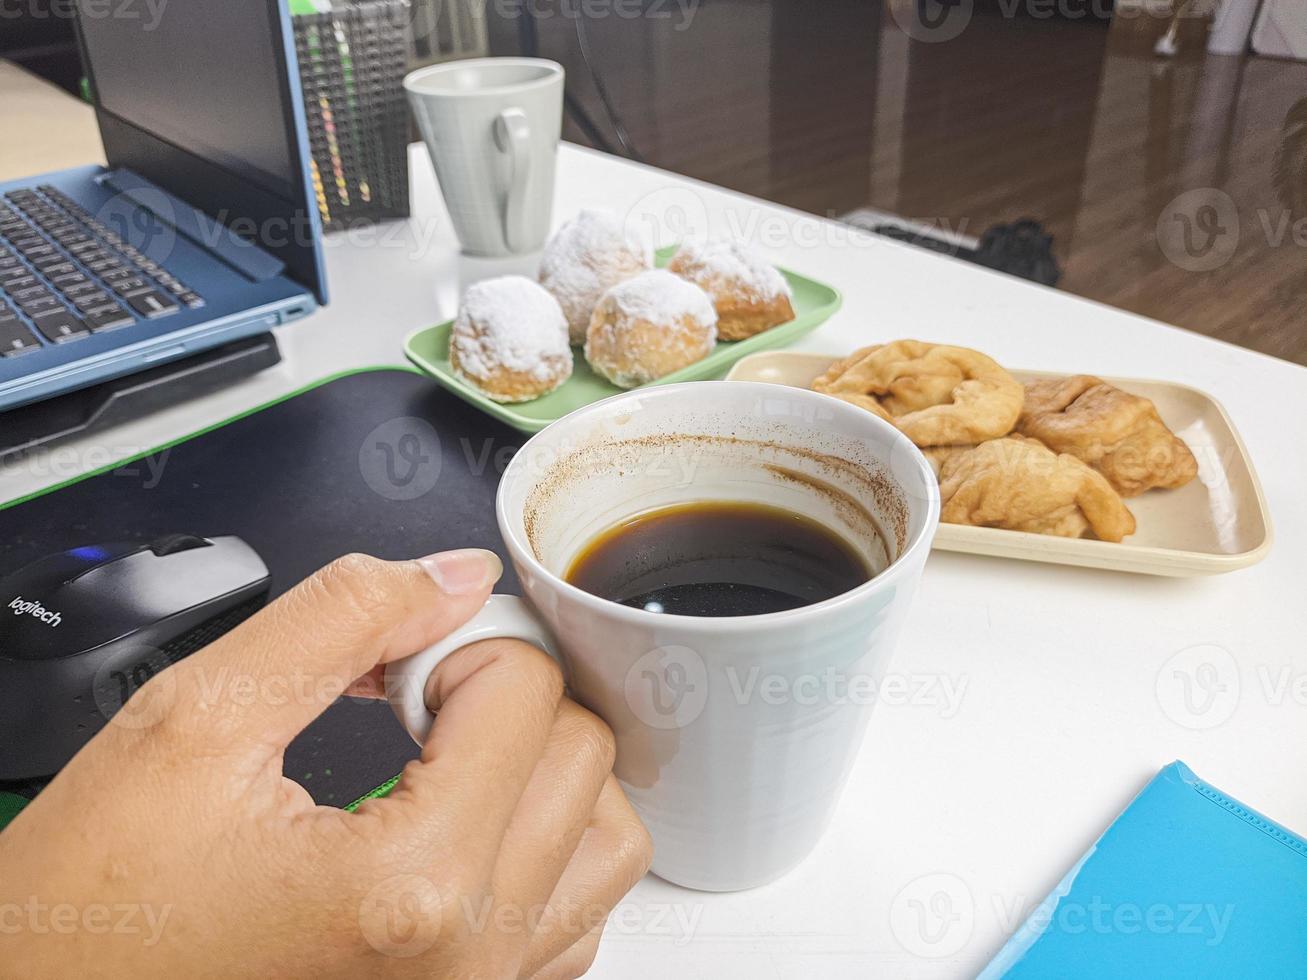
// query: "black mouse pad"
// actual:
[[380, 461]]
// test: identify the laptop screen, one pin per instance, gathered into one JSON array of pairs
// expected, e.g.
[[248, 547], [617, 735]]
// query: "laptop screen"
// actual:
[[200, 98], [202, 76]]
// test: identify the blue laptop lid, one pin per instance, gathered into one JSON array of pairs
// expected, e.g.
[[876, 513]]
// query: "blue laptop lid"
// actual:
[[205, 103], [1185, 883]]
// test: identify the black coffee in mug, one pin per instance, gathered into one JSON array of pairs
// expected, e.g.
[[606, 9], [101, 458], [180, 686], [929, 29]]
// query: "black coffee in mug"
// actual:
[[718, 558]]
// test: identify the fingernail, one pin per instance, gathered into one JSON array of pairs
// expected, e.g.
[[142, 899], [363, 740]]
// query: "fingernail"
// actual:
[[463, 572]]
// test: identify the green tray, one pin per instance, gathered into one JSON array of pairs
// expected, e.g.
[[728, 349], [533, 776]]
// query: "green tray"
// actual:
[[428, 348]]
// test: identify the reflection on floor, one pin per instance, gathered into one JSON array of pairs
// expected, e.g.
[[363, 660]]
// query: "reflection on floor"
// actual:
[[1175, 188]]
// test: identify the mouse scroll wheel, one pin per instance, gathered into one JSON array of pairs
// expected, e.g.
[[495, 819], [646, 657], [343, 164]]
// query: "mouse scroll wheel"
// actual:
[[173, 543]]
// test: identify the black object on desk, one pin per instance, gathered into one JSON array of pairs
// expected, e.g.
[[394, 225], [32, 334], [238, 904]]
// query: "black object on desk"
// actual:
[[88, 410], [382, 462], [91, 625]]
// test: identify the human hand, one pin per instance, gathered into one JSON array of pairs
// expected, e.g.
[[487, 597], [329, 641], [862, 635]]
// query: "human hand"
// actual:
[[172, 845]]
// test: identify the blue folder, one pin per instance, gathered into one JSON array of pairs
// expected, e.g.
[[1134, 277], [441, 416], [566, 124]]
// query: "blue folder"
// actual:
[[1185, 883]]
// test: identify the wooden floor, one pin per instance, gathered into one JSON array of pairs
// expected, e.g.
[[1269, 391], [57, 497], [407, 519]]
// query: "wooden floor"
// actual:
[[830, 107]]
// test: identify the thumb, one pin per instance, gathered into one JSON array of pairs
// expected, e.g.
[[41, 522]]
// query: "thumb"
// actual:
[[276, 672]]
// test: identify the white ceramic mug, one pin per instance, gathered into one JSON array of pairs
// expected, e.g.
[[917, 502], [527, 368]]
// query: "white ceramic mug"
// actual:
[[734, 735], [492, 127]]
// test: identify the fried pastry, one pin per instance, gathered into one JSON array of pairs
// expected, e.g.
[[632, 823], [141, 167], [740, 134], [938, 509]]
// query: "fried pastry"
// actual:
[[585, 258], [937, 456], [1117, 433], [648, 327], [1022, 485], [510, 340], [936, 394], [747, 291]]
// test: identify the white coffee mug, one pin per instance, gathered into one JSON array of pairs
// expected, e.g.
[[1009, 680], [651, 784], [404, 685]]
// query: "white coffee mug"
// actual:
[[734, 735], [492, 127]]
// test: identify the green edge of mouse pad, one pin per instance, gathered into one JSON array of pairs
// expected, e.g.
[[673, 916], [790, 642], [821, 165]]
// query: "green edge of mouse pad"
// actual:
[[814, 303], [381, 791], [118, 464]]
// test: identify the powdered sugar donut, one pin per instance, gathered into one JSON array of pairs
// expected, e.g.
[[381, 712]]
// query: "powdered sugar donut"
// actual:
[[510, 340], [749, 294], [589, 254], [648, 327]]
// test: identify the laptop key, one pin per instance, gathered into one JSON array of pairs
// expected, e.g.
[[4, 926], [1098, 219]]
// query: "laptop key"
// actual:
[[192, 300], [60, 326], [109, 319], [152, 303], [93, 300], [53, 264], [66, 280], [129, 285], [30, 292], [15, 338], [40, 306], [12, 284], [79, 288]]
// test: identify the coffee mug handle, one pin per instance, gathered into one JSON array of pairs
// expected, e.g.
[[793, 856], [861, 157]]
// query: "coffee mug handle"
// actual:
[[502, 616], [513, 136]]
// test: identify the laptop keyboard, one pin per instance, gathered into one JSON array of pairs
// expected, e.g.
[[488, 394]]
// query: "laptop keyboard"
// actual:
[[65, 276]]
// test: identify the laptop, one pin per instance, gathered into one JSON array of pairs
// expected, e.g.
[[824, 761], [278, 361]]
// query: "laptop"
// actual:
[[202, 229]]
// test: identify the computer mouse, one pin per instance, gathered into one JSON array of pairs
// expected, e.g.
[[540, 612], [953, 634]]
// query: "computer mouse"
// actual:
[[82, 630]]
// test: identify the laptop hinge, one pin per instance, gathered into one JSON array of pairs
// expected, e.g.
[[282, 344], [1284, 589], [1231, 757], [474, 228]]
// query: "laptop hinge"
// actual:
[[212, 236]]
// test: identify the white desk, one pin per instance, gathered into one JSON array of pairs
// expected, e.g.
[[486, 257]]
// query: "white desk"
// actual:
[[1060, 721]]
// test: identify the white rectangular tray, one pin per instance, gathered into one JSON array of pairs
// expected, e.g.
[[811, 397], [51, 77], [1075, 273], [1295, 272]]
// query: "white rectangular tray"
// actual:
[[1216, 523]]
